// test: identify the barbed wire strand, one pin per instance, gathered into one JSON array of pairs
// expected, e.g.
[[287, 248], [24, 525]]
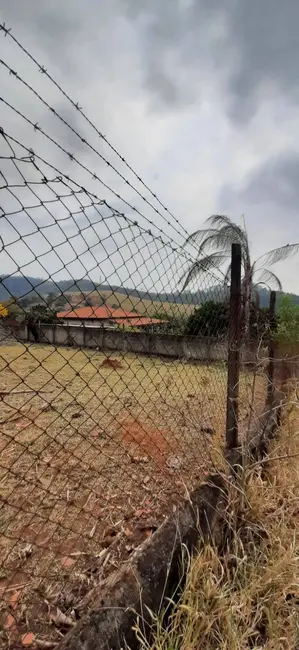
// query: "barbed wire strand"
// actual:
[[174, 246], [7, 32]]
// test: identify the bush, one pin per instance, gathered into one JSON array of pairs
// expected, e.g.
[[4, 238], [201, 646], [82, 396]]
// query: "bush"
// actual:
[[287, 331], [211, 319]]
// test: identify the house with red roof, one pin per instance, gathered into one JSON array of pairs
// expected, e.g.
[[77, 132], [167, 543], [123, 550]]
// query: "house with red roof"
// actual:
[[106, 316]]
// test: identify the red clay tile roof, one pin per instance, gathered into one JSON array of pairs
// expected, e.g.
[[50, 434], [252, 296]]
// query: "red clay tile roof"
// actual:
[[103, 312], [120, 313], [121, 317]]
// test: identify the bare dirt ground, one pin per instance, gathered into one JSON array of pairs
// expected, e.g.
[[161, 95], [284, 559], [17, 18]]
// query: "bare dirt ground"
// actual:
[[92, 458]]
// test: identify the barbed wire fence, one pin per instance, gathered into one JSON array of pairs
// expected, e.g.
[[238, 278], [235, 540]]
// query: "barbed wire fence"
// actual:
[[113, 378]]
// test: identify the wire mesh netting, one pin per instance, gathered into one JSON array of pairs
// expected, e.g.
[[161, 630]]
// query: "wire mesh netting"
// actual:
[[113, 374]]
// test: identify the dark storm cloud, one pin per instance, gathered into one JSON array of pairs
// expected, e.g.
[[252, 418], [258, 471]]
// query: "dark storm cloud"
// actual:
[[249, 47], [276, 181], [266, 41], [177, 43], [60, 28], [160, 79]]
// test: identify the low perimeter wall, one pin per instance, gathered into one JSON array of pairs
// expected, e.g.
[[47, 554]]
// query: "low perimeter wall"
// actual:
[[168, 345]]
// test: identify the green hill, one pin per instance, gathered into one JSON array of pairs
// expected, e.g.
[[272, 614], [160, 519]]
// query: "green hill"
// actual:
[[128, 297]]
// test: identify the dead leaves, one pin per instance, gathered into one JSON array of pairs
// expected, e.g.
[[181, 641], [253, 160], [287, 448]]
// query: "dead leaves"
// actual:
[[26, 551], [9, 623], [109, 536], [28, 639], [60, 619], [140, 512], [14, 599], [139, 459], [67, 562]]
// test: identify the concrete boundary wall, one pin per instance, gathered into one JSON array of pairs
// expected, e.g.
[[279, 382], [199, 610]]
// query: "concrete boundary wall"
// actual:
[[166, 345]]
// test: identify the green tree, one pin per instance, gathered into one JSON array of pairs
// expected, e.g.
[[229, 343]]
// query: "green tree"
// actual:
[[51, 298], [60, 301], [88, 301], [42, 314], [287, 331], [211, 319], [170, 324], [24, 302], [214, 252], [260, 323]]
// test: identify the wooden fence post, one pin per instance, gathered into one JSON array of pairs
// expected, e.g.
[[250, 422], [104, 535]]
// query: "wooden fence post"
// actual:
[[234, 339], [271, 348]]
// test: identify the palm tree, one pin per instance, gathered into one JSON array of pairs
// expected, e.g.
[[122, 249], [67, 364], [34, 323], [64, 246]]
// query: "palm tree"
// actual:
[[214, 251]]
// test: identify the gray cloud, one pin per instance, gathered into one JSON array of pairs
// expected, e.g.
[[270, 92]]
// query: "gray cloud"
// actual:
[[274, 182], [266, 41], [174, 86], [250, 47], [183, 41]]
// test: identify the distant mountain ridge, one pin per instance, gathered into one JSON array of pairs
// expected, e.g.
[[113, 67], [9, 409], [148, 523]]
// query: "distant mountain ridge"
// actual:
[[20, 286]]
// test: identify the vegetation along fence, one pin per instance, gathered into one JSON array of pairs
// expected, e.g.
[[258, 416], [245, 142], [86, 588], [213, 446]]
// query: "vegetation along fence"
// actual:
[[124, 363]]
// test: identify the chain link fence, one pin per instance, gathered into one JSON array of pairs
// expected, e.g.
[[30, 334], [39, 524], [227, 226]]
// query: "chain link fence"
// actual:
[[113, 374]]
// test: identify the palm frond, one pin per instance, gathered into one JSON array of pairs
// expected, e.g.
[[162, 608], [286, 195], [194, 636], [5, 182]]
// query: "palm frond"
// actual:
[[280, 254], [197, 236], [227, 275], [221, 237], [220, 221], [201, 266], [265, 276], [220, 241]]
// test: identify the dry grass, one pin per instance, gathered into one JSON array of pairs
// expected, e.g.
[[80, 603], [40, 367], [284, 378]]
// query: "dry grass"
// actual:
[[247, 596], [91, 461]]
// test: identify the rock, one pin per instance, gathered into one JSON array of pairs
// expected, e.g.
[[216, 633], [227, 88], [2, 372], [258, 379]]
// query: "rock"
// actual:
[[67, 562], [174, 462], [28, 639]]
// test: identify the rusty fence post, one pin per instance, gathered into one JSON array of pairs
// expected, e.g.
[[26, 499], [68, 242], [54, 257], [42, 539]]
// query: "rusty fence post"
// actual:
[[234, 340], [271, 348]]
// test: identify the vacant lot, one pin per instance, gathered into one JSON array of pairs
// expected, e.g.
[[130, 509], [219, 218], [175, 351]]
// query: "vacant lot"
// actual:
[[92, 458]]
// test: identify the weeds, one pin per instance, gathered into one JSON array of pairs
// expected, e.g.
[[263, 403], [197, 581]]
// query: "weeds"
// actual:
[[246, 595]]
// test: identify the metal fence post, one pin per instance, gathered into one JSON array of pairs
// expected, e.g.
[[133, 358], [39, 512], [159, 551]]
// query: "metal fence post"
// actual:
[[234, 338], [271, 348]]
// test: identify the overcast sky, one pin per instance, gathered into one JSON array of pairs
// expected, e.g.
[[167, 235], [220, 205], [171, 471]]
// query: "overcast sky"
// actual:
[[200, 97]]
